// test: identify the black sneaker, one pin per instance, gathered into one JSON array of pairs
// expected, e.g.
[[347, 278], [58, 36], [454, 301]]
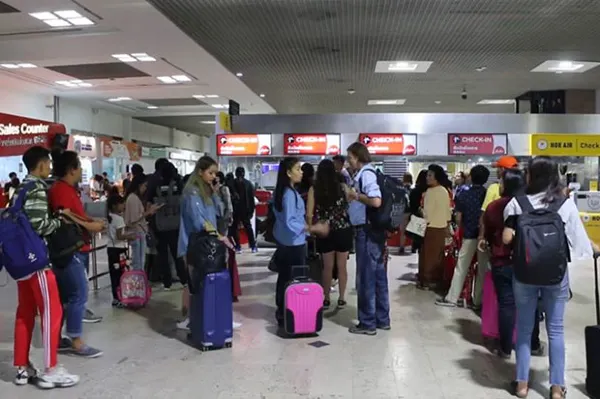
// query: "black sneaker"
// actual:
[[362, 330], [65, 344], [341, 304], [385, 327], [540, 351], [444, 302], [326, 304]]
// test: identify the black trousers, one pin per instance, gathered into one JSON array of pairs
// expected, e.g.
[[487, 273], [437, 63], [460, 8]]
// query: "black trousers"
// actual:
[[167, 242], [114, 258], [286, 258], [235, 234]]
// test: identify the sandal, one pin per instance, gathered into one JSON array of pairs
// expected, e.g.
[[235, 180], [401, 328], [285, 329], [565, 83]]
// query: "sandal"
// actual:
[[522, 393], [423, 287], [560, 394]]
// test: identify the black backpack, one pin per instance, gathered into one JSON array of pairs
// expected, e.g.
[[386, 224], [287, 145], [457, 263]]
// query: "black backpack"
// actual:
[[541, 249], [390, 215]]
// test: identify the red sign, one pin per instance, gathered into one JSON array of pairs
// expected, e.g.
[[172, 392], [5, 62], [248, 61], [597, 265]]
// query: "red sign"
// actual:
[[389, 143], [244, 144], [477, 144], [18, 134], [311, 144]]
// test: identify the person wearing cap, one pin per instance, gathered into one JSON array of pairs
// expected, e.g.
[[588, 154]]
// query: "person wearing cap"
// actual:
[[493, 191]]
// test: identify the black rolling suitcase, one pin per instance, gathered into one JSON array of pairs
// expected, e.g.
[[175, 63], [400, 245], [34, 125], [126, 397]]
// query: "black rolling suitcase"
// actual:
[[592, 345]]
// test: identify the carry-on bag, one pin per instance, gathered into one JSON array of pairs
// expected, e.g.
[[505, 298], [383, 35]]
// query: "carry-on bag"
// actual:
[[211, 311], [303, 303], [489, 310], [134, 289], [592, 344]]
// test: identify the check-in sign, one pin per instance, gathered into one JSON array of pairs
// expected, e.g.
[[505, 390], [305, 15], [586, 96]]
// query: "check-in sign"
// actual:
[[311, 144], [477, 144]]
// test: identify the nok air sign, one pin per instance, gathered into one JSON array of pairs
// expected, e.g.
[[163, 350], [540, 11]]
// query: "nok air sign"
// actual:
[[566, 145]]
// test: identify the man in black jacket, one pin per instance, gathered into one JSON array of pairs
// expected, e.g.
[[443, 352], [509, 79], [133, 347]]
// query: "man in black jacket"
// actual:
[[243, 208]]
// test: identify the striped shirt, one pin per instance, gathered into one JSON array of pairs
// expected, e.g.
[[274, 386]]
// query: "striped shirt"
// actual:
[[36, 207]]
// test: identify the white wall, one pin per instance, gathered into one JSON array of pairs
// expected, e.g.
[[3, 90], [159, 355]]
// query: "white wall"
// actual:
[[26, 104], [81, 116], [150, 133]]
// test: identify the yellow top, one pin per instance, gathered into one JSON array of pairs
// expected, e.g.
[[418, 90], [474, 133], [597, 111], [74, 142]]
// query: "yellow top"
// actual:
[[436, 207], [492, 194]]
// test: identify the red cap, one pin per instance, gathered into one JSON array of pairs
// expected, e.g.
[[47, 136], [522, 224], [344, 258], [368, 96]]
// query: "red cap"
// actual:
[[506, 162]]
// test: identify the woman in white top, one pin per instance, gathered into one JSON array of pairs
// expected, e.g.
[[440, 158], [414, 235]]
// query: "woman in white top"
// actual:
[[544, 191]]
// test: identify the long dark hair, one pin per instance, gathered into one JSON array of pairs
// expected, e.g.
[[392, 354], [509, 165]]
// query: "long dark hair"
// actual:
[[542, 173], [111, 202], [421, 182], [513, 182], [136, 183], [283, 181], [308, 178], [328, 189]]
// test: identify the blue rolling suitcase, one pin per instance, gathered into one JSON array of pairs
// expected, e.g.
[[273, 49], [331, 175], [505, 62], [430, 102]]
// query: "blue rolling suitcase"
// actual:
[[211, 313]]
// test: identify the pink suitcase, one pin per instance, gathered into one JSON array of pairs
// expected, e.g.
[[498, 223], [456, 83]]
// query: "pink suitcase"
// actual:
[[134, 290], [303, 301], [489, 310]]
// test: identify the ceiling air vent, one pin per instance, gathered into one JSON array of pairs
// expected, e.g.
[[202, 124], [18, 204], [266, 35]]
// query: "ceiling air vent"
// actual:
[[6, 9]]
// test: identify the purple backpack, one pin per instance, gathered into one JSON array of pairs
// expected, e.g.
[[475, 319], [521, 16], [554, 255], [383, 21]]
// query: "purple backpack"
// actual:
[[22, 250]]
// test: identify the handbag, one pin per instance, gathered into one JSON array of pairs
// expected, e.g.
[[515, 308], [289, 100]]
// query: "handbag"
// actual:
[[206, 253], [417, 225], [65, 242]]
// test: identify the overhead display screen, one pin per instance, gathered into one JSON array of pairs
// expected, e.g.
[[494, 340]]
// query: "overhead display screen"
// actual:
[[477, 144], [311, 144], [389, 143], [243, 144]]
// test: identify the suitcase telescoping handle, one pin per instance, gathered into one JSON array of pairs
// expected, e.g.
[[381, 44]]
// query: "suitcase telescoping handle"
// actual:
[[596, 293], [299, 272]]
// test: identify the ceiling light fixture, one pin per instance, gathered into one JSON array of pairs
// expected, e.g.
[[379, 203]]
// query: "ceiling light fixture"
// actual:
[[480, 69], [142, 57], [496, 102], [119, 99], [402, 66], [438, 102], [386, 102], [220, 106], [73, 83], [174, 79], [262, 95], [209, 122], [239, 74], [556, 66], [152, 107], [58, 19], [24, 65]]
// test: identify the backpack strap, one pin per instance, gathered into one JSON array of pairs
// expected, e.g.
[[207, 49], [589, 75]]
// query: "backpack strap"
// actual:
[[360, 179], [20, 201], [555, 206], [524, 203]]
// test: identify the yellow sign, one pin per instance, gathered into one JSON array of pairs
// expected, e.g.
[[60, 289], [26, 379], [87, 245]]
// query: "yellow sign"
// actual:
[[591, 222], [566, 145], [224, 123], [593, 185]]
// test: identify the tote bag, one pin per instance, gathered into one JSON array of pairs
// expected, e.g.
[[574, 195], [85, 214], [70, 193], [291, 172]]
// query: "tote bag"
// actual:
[[417, 226]]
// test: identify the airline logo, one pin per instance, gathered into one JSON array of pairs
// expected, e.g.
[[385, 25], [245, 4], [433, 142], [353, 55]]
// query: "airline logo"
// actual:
[[311, 144]]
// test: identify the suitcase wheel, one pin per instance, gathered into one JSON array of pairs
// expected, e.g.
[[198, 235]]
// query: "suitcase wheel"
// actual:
[[204, 348], [228, 344]]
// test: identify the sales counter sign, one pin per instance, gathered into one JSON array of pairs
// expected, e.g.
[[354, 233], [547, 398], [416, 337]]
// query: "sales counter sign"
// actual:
[[566, 145], [244, 144], [477, 144], [311, 144], [389, 143]]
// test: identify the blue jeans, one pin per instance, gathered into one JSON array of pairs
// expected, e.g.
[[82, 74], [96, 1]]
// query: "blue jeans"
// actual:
[[73, 288], [138, 252], [554, 298], [373, 295], [503, 283]]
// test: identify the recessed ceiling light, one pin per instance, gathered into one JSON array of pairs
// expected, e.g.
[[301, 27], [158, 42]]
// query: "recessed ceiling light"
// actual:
[[43, 16], [57, 23], [181, 78], [262, 95], [81, 21], [220, 106], [152, 107], [73, 83], [24, 65], [239, 74], [438, 102], [212, 96], [480, 69], [402, 66], [167, 79], [386, 102], [68, 14], [27, 65], [143, 57], [9, 66], [496, 102], [208, 122], [119, 99], [554, 66], [199, 96]]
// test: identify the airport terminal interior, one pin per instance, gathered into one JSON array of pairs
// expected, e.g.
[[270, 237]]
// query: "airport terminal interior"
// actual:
[[162, 84]]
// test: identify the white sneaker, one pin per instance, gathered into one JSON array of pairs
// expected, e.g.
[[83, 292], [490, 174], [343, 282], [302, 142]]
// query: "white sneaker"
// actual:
[[58, 377], [184, 325], [25, 374], [237, 325]]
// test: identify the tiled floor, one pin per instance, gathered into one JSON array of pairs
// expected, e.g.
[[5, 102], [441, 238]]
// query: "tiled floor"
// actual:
[[431, 352]]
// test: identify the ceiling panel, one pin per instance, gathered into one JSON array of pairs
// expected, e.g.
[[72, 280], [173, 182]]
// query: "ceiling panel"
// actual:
[[173, 102], [191, 124], [306, 54], [111, 70]]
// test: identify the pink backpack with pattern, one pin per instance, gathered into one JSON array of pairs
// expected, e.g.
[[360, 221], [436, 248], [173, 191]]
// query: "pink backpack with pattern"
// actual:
[[134, 289]]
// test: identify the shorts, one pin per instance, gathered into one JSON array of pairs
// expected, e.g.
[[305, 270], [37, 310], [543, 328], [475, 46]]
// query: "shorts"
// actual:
[[337, 241]]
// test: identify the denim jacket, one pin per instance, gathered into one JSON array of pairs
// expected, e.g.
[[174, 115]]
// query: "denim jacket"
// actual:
[[195, 213]]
